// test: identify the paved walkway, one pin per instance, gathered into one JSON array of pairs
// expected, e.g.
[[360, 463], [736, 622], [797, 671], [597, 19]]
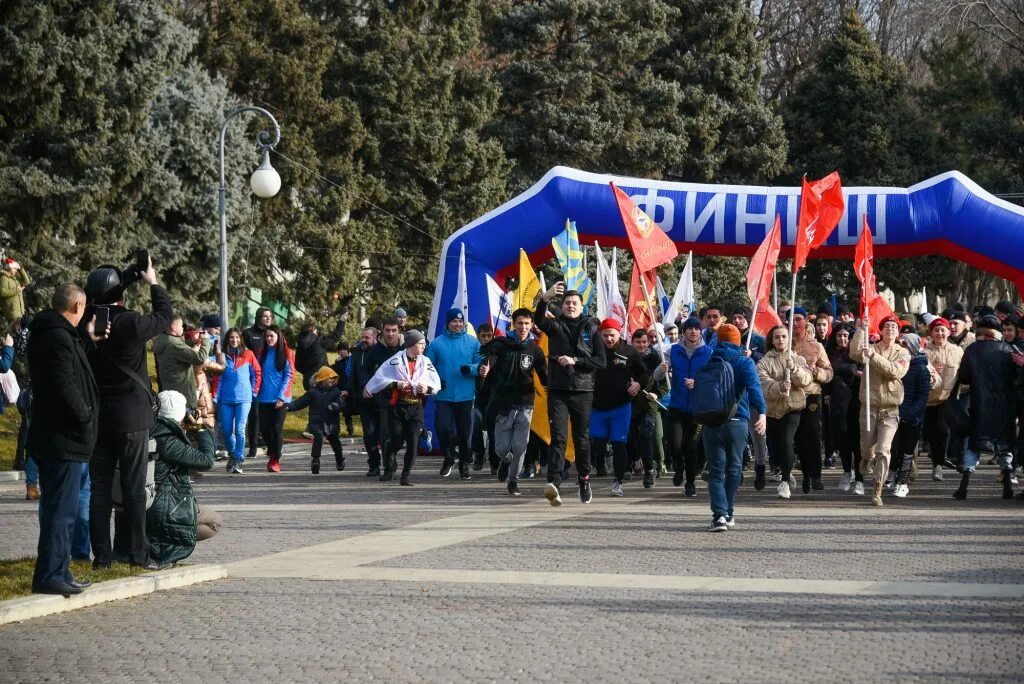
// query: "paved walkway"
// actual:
[[338, 577]]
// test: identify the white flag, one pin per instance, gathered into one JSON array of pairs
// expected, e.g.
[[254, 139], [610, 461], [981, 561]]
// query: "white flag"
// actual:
[[396, 369], [685, 295], [924, 300], [616, 306], [461, 300], [500, 306]]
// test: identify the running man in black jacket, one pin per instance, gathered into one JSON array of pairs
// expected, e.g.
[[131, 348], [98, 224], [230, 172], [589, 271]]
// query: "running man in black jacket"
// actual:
[[574, 354]]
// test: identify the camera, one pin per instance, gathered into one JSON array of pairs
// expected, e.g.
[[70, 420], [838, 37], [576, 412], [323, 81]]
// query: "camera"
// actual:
[[133, 273], [107, 284]]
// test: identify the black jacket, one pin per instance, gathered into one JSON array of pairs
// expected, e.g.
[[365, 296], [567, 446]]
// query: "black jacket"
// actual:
[[124, 405], [577, 338], [311, 349], [917, 383], [359, 375], [324, 409], [512, 363], [65, 407], [377, 356], [624, 365], [991, 374], [254, 337]]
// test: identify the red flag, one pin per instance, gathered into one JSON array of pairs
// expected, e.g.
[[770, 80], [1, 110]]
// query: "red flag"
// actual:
[[651, 246], [765, 319], [872, 304], [821, 207], [762, 266], [640, 316]]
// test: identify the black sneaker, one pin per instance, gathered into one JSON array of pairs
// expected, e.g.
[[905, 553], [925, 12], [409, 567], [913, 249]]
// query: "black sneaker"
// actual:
[[691, 489], [503, 471], [339, 463], [829, 463], [478, 463], [677, 478], [816, 484], [718, 524], [446, 468], [387, 475], [314, 467], [494, 471], [464, 471], [759, 477], [648, 479], [404, 481], [513, 488], [373, 472], [585, 494], [805, 484]]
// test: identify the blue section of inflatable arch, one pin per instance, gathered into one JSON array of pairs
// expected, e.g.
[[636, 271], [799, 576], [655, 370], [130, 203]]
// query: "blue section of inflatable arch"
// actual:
[[948, 215]]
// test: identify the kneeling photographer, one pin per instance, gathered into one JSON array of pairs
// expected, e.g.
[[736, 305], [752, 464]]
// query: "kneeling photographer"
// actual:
[[126, 403]]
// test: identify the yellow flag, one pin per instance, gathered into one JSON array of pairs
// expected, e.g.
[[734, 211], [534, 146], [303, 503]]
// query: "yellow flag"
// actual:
[[541, 424], [529, 286]]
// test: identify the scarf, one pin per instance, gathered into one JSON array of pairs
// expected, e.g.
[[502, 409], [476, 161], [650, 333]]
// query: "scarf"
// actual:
[[396, 369]]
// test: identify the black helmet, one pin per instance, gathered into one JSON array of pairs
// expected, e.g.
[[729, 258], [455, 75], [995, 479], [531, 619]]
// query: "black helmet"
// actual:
[[103, 286]]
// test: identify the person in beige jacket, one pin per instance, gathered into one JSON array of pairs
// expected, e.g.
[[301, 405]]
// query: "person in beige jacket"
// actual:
[[808, 435], [887, 363], [945, 358], [784, 377]]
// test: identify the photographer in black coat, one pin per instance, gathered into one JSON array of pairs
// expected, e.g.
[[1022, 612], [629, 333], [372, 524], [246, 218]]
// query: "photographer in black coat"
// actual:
[[63, 432], [126, 412], [311, 349]]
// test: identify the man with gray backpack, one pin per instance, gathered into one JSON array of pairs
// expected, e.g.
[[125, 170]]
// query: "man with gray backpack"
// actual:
[[725, 390]]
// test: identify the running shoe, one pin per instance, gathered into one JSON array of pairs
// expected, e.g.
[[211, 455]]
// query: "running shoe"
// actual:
[[718, 524], [237, 469], [844, 481], [858, 488], [776, 475], [274, 465], [783, 490], [677, 478], [617, 489], [552, 495], [585, 494], [730, 522], [513, 488], [816, 484], [446, 467], [503, 471], [648, 479], [758, 477], [901, 491], [464, 471], [691, 489]]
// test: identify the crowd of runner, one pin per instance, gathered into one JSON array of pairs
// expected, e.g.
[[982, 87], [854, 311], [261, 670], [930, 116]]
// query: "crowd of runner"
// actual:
[[820, 392]]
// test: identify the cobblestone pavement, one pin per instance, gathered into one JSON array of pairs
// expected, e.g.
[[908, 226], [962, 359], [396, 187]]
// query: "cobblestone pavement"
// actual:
[[450, 627]]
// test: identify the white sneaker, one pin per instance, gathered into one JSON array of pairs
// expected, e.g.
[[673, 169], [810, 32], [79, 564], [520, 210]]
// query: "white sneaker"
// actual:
[[937, 473], [901, 491], [858, 488], [844, 482], [552, 495], [237, 469], [792, 482], [776, 477], [730, 522], [718, 525], [783, 490], [617, 489], [1013, 478]]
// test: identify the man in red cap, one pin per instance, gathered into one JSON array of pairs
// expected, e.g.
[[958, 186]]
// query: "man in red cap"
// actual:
[[945, 358], [624, 376]]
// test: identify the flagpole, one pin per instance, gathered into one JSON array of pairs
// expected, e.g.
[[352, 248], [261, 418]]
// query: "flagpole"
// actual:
[[775, 291], [753, 317], [867, 374], [792, 306], [654, 313]]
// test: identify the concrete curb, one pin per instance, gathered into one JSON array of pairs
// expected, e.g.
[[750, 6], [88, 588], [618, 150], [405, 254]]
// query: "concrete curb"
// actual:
[[28, 607], [11, 476]]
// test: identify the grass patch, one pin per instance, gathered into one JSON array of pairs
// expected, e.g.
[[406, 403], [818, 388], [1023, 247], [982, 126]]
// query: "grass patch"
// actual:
[[16, 575]]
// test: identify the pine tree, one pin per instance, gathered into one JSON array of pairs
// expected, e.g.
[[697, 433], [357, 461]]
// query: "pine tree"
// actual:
[[88, 171], [414, 70], [576, 89]]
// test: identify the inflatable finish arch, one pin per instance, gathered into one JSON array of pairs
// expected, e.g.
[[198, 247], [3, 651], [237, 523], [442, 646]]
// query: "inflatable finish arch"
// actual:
[[948, 215]]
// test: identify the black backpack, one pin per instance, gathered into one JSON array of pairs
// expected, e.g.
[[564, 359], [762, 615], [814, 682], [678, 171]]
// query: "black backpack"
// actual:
[[714, 393]]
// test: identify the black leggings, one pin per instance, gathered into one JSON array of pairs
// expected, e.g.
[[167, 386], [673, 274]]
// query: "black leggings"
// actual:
[[405, 423], [781, 434], [904, 444], [272, 428], [684, 438], [848, 442], [937, 432], [808, 438]]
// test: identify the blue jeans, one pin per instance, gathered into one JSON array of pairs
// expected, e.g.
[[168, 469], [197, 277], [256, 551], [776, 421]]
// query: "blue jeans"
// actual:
[[31, 471], [80, 547], [60, 483], [1003, 457], [233, 419], [723, 446], [453, 422]]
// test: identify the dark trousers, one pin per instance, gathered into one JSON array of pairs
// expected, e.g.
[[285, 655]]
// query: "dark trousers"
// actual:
[[904, 444], [453, 421], [272, 428], [683, 435], [318, 444], [641, 441], [369, 417], [60, 482], [848, 442], [808, 438], [129, 452], [937, 432], [252, 431], [405, 424], [25, 409], [565, 406], [781, 437]]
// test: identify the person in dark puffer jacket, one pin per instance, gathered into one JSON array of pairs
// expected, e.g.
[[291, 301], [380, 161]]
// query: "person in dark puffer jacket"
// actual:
[[175, 521], [325, 403], [916, 386]]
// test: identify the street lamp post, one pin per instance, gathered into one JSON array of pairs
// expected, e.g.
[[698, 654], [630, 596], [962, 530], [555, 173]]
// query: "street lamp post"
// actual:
[[265, 183]]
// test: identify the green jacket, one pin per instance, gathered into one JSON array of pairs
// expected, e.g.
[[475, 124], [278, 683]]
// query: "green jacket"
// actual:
[[172, 519], [175, 362], [12, 302]]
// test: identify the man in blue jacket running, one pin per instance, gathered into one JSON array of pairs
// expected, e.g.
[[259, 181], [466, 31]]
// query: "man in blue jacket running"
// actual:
[[456, 356]]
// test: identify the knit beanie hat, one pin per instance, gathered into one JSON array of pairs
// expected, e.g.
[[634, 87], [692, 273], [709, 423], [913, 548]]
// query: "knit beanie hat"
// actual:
[[611, 324], [727, 332], [172, 405], [744, 311], [414, 337], [400, 313], [325, 373], [990, 322], [912, 342], [454, 314], [936, 322]]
